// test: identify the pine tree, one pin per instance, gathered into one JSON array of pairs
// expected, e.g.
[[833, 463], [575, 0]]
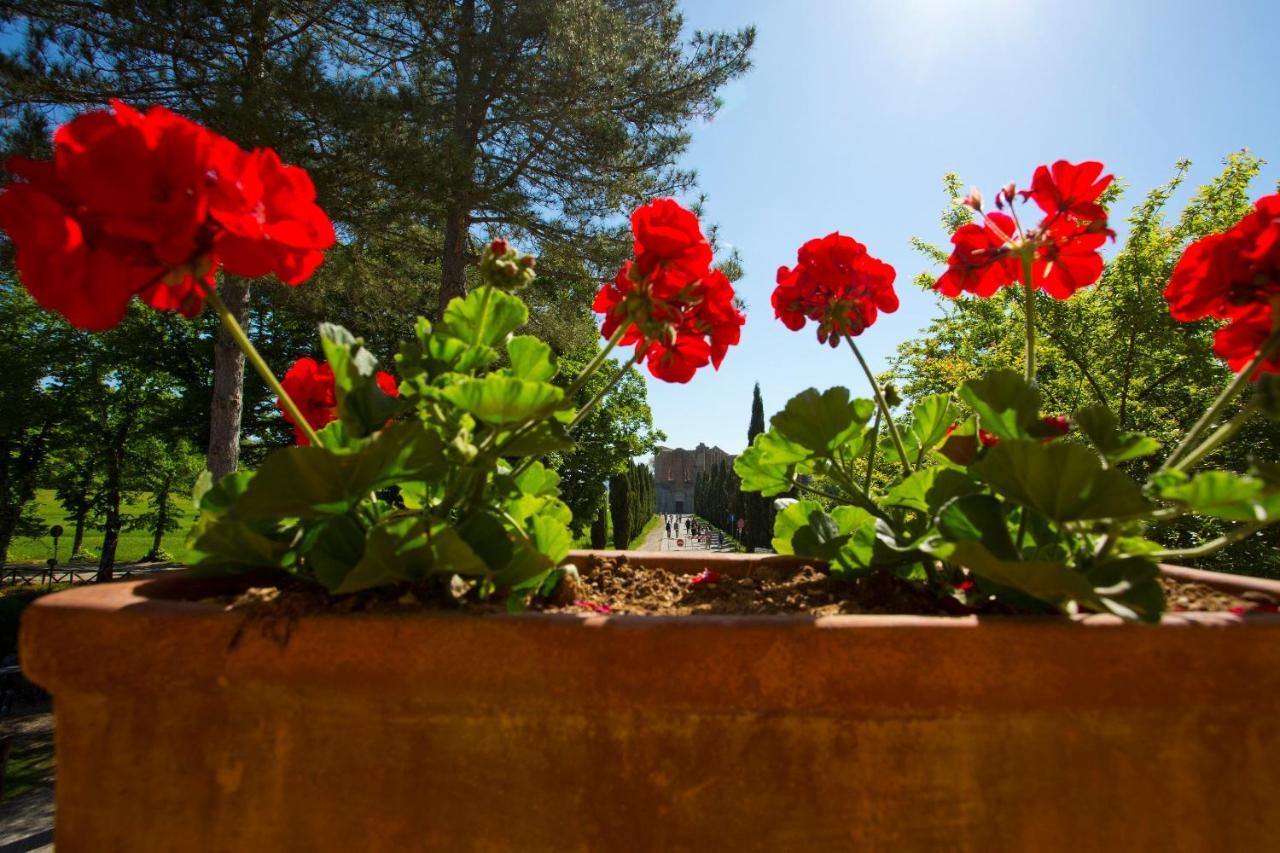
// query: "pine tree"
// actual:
[[543, 120]]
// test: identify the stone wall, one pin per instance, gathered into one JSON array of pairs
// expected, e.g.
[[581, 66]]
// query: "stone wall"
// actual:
[[676, 470]]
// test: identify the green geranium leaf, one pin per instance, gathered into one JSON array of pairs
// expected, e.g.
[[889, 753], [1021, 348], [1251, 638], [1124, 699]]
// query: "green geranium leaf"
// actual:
[[978, 518], [930, 417], [537, 480], [768, 465], [231, 545], [363, 407], [791, 519], [1129, 587], [553, 538], [408, 549], [531, 358], [929, 488], [504, 400], [488, 537], [1103, 431], [1006, 405], [219, 497], [313, 482], [859, 528], [822, 422], [1063, 481], [471, 322], [1050, 582], [1232, 497], [336, 547]]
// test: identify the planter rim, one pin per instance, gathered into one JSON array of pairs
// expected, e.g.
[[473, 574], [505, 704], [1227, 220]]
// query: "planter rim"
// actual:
[[171, 595], [141, 637]]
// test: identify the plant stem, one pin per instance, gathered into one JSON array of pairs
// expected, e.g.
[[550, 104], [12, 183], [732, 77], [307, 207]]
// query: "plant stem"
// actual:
[[586, 409], [1228, 394], [871, 455], [1029, 311], [251, 353], [1217, 437], [590, 368], [1244, 531], [907, 467], [609, 386]]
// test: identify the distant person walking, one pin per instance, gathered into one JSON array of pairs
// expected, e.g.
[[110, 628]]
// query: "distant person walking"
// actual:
[[668, 528]]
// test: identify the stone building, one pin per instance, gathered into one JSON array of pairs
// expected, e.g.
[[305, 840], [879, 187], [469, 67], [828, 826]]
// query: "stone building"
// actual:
[[676, 470]]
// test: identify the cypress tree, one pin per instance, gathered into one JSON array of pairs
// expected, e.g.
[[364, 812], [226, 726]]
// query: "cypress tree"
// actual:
[[620, 509], [599, 530], [758, 510]]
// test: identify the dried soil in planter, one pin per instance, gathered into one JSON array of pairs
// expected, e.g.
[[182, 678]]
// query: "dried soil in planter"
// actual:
[[609, 585]]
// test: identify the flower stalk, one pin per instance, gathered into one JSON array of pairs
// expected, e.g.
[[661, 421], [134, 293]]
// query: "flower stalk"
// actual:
[[1177, 460], [907, 467], [1029, 310], [260, 365]]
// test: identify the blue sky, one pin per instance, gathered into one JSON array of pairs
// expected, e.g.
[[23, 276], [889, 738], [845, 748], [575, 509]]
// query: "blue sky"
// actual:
[[856, 108]]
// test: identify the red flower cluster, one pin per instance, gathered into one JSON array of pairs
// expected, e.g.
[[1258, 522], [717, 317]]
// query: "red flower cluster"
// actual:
[[677, 311], [147, 204], [1063, 248], [837, 285], [1234, 276], [1049, 428], [313, 389]]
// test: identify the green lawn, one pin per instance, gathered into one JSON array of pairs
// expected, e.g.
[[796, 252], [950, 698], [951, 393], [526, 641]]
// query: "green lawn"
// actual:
[[133, 544]]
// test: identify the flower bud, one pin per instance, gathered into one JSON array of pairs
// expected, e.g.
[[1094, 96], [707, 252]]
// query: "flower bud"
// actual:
[[1010, 190], [973, 199], [503, 267]]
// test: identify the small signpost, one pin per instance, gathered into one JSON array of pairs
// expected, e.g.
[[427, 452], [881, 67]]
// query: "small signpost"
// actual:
[[679, 543], [55, 532]]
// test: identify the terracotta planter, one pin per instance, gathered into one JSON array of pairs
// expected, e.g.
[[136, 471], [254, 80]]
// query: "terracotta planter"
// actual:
[[181, 728]]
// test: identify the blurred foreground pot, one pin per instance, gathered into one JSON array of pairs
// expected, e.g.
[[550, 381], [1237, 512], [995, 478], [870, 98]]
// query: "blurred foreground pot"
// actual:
[[179, 727]]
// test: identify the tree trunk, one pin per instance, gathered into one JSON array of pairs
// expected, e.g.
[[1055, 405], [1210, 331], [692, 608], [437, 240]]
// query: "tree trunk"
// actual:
[[111, 537], [453, 266], [453, 269], [228, 385], [162, 516], [8, 524], [77, 541]]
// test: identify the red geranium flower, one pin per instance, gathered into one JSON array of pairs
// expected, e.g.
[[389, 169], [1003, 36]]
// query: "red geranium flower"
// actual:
[[1055, 426], [139, 204], [838, 285], [1225, 274], [313, 389], [1240, 341], [669, 239], [705, 576], [982, 261], [1068, 260], [1063, 248], [677, 311], [1073, 190], [274, 226]]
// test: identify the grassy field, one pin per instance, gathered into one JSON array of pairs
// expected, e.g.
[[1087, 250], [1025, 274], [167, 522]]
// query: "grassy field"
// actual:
[[133, 544]]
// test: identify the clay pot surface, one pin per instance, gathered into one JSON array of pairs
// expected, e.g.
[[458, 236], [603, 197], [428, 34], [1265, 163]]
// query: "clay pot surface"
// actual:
[[184, 727]]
